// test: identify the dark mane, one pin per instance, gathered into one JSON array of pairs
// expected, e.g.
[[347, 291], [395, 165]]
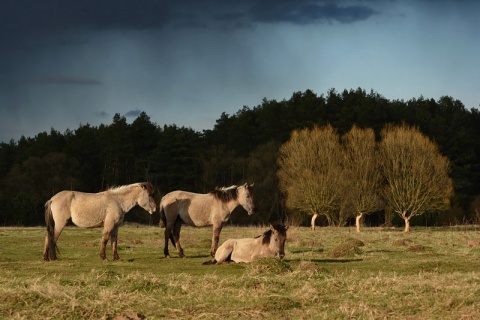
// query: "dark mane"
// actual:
[[150, 188], [225, 194], [281, 229]]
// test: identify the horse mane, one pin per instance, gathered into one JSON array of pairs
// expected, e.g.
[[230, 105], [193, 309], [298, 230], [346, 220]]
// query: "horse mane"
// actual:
[[117, 188], [268, 234], [144, 185], [150, 188], [225, 194]]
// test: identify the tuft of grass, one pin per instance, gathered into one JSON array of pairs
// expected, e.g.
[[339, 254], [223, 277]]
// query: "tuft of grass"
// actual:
[[349, 248], [268, 266]]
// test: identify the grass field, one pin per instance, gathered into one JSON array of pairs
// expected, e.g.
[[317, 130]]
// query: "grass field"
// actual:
[[331, 273]]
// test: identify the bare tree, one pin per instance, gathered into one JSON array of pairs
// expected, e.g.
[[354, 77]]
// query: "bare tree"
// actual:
[[310, 172], [415, 171], [363, 177]]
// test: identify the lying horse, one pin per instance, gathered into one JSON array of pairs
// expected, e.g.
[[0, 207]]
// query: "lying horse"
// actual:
[[270, 244], [89, 210], [201, 210]]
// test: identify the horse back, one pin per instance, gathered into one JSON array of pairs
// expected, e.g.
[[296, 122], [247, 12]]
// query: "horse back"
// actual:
[[246, 249], [194, 209], [85, 209]]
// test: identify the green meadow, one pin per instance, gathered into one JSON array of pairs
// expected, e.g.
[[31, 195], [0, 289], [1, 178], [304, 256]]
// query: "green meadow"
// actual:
[[329, 273]]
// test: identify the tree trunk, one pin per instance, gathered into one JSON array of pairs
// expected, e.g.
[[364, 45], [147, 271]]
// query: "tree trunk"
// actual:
[[357, 220], [315, 215], [407, 221]]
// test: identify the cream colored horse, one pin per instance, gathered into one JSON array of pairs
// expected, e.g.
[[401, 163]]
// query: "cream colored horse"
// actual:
[[201, 210], [88, 210], [270, 244]]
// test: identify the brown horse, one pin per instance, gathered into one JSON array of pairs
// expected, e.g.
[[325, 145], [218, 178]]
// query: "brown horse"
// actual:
[[88, 210], [270, 244], [201, 210]]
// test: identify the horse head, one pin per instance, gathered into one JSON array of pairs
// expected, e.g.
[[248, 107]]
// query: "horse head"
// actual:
[[245, 197], [278, 238], [145, 198]]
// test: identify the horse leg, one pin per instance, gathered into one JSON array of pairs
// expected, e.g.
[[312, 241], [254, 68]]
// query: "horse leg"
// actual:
[[176, 237], [168, 236], [103, 243], [216, 236], [113, 239], [224, 252], [49, 251]]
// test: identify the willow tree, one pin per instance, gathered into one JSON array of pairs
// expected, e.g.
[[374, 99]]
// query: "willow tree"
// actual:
[[415, 171], [310, 173], [363, 177]]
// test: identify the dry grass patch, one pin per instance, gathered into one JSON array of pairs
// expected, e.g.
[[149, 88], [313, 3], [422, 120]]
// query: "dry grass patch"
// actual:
[[386, 283]]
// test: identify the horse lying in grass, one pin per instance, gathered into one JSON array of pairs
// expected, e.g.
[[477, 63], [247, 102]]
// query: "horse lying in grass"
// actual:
[[201, 210], [89, 210], [270, 244]]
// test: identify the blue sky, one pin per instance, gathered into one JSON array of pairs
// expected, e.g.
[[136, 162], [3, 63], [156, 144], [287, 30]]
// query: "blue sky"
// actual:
[[66, 63]]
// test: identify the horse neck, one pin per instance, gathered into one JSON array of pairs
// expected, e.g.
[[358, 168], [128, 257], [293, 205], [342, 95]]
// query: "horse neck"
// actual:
[[126, 197], [232, 204], [271, 245]]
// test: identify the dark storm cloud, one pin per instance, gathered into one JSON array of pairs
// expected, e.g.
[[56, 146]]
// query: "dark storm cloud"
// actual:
[[56, 15], [308, 12], [63, 80], [29, 17]]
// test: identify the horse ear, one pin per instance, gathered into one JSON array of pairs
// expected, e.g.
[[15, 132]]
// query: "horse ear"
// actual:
[[147, 186]]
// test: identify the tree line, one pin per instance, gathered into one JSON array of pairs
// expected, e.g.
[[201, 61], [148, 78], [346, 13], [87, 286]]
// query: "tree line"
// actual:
[[242, 147]]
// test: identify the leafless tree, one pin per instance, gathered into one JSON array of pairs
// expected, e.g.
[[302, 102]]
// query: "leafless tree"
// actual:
[[310, 173], [415, 171], [362, 174]]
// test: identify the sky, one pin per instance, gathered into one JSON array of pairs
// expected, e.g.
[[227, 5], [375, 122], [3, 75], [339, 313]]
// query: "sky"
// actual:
[[69, 63]]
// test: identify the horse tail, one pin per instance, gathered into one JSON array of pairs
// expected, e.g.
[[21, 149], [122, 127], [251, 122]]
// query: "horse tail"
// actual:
[[50, 247]]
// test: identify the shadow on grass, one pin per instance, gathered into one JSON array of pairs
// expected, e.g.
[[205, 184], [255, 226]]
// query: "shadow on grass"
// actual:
[[326, 260], [383, 251], [304, 250], [187, 257]]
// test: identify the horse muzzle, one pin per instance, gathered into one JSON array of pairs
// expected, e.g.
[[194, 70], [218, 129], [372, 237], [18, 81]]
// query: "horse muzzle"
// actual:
[[152, 209]]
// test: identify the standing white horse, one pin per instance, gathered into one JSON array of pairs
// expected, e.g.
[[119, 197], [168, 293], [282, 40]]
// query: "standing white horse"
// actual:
[[88, 210], [201, 210]]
